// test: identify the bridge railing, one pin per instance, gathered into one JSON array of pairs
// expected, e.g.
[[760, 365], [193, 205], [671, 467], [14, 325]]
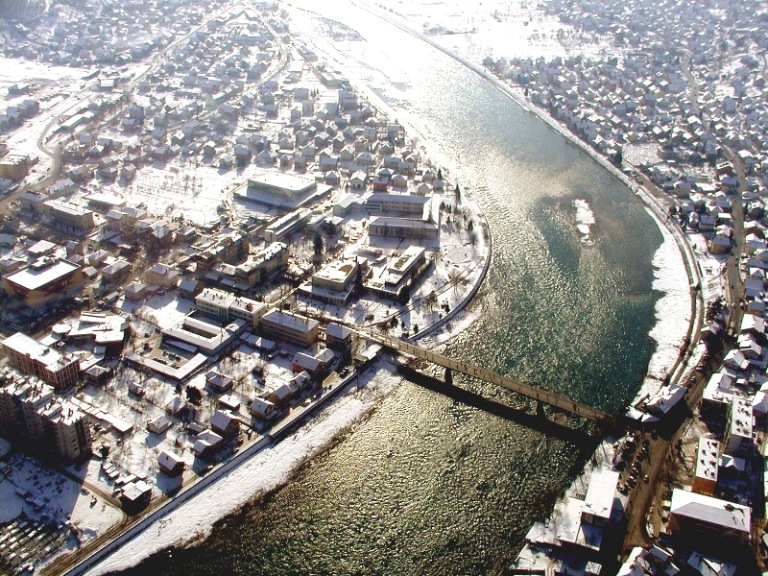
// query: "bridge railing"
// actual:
[[550, 398]]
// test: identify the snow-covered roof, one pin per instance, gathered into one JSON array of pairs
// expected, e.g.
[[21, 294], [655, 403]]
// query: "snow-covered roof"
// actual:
[[709, 510]]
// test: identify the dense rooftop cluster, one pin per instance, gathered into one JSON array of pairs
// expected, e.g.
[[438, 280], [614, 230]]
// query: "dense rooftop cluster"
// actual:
[[100, 33], [679, 103], [191, 264]]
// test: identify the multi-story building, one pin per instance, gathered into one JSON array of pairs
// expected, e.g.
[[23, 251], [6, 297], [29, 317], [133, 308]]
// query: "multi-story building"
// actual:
[[287, 225], [256, 269], [384, 203], [738, 439], [162, 275], [707, 460], [403, 228], [52, 427], [231, 248], [400, 273], [336, 276], [14, 166], [290, 327], [333, 284], [69, 216], [31, 357], [283, 185], [200, 336], [44, 280], [227, 307], [709, 519]]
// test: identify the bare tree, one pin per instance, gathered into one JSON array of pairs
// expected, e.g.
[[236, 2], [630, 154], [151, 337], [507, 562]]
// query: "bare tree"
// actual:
[[454, 277], [430, 300]]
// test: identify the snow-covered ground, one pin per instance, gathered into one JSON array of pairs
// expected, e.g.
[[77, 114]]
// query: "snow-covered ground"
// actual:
[[673, 311], [565, 520], [195, 192], [499, 28], [44, 494], [269, 469]]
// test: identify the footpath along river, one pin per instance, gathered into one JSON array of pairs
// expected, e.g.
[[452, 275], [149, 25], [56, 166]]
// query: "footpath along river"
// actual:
[[424, 484]]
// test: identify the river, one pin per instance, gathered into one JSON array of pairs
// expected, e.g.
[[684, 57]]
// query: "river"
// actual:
[[425, 484]]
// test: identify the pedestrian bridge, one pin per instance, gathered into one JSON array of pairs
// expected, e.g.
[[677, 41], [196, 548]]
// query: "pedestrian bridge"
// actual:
[[550, 398]]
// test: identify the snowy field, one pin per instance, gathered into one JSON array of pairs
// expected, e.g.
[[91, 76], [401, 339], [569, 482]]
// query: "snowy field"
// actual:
[[500, 28]]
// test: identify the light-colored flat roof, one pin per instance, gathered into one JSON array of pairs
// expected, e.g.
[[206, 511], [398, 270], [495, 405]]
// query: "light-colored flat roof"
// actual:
[[106, 199], [600, 494], [208, 338], [289, 321], [41, 247], [15, 159], [33, 279], [741, 418], [181, 373], [402, 223], [711, 510], [50, 357], [338, 271], [225, 300], [707, 459], [399, 198], [287, 182], [406, 260], [69, 209]]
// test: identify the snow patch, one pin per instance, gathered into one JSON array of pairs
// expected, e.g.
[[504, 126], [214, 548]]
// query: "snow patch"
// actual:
[[267, 470], [585, 219], [672, 312]]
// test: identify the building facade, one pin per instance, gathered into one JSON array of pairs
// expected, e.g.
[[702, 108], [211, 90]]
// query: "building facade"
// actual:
[[43, 281], [50, 426], [290, 327], [227, 307], [31, 357]]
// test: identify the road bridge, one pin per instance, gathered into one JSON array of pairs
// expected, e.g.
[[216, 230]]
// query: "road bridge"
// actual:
[[550, 398]]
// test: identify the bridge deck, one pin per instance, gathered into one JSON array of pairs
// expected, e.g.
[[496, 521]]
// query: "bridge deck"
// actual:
[[550, 398]]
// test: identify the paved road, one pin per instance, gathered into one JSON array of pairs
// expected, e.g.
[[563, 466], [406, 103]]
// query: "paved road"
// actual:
[[732, 278], [657, 464], [661, 456]]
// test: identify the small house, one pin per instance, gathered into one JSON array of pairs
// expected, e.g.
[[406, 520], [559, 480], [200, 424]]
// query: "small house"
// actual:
[[281, 395], [218, 382], [159, 425], [135, 496], [170, 464], [206, 444], [261, 408], [338, 336], [225, 423], [177, 407]]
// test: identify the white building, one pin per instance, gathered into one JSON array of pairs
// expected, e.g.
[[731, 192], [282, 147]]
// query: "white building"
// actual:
[[227, 307], [31, 357], [290, 327], [699, 515]]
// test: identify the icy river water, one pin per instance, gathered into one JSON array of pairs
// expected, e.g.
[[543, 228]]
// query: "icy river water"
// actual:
[[425, 484]]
